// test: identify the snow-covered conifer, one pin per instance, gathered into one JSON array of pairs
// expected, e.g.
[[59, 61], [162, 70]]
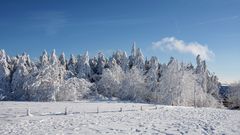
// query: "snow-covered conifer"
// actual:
[[101, 62], [44, 58], [72, 64], [22, 69], [4, 76], [62, 59], [136, 59], [83, 67]]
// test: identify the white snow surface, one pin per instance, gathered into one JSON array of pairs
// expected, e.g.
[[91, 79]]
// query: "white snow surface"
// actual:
[[135, 118]]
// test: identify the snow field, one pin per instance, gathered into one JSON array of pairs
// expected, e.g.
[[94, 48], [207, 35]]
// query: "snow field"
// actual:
[[82, 118]]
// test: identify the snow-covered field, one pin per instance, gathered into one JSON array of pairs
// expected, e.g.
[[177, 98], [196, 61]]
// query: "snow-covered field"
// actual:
[[82, 118]]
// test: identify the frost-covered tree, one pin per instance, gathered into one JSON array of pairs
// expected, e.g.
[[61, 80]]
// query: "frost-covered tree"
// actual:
[[93, 64], [44, 84], [181, 84], [201, 71], [153, 71], [44, 58], [187, 94], [73, 89], [208, 87], [152, 78], [101, 62], [72, 65], [169, 83], [213, 86], [111, 81], [5, 75], [134, 86], [22, 70], [128, 78], [121, 59], [83, 67], [125, 62], [139, 60], [53, 59], [136, 59], [63, 60], [234, 95]]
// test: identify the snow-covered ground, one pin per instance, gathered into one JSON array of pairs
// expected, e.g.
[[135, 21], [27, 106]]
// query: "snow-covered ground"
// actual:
[[82, 118]]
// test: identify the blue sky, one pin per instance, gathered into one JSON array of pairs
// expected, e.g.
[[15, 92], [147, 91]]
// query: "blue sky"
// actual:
[[105, 25]]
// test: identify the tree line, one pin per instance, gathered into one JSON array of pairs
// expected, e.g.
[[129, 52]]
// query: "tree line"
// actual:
[[132, 78]]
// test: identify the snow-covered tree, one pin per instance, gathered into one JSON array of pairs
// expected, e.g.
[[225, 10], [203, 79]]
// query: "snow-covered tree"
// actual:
[[201, 71], [121, 59], [72, 64], [133, 86], [181, 84], [22, 69], [83, 67], [93, 64], [63, 60], [43, 85], [169, 83], [234, 95], [208, 87], [213, 86], [152, 78], [136, 59], [111, 81], [4, 76], [101, 62], [44, 58], [73, 89], [187, 92], [53, 59], [128, 78]]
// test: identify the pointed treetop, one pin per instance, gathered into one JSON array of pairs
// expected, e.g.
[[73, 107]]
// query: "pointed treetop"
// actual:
[[125, 54], [101, 56], [2, 50], [44, 52], [72, 56], [139, 52], [171, 60], [62, 59], [72, 59], [62, 54], [133, 52], [3, 57], [198, 59], [53, 58], [154, 62], [23, 58], [28, 60], [134, 44], [44, 58], [53, 52], [2, 54], [24, 54], [201, 65], [84, 59], [86, 53]]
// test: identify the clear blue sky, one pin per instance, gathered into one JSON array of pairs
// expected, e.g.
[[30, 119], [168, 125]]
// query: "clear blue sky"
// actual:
[[106, 25]]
